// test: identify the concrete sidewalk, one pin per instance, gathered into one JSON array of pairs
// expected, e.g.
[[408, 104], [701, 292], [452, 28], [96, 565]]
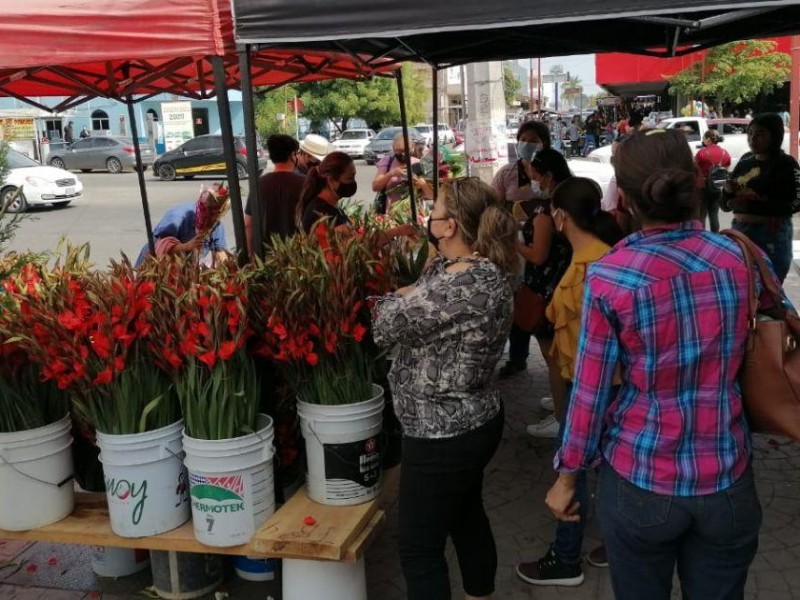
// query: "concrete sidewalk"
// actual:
[[516, 483]]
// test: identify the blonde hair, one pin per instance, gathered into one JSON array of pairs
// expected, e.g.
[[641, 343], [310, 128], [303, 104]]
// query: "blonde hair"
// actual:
[[486, 226]]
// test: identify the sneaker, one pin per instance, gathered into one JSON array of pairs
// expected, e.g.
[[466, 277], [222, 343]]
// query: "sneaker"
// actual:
[[546, 428], [550, 571], [511, 368], [598, 557], [547, 404]]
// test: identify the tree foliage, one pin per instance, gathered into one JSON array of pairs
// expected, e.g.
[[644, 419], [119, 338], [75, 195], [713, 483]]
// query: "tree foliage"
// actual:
[[572, 88], [734, 73], [511, 85], [374, 100], [274, 112]]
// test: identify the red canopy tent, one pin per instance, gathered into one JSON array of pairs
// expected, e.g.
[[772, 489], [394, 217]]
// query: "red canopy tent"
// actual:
[[133, 50]]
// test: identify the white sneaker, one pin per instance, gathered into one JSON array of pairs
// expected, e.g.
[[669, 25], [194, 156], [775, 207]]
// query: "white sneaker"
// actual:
[[546, 428], [546, 403]]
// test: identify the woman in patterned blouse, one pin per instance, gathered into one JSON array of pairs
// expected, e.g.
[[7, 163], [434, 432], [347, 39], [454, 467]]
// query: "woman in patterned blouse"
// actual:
[[450, 329]]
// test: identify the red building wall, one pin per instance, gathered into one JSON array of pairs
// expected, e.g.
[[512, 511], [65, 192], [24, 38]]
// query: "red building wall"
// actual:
[[616, 68]]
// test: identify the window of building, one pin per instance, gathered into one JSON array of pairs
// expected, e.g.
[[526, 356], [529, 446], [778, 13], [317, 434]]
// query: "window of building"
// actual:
[[100, 121]]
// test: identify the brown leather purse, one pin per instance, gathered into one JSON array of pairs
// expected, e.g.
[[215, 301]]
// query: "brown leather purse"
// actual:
[[770, 371], [529, 308]]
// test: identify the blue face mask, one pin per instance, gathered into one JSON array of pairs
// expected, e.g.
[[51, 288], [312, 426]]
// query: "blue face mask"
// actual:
[[527, 150]]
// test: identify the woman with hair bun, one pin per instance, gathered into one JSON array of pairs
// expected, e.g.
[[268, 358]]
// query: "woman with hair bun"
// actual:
[[591, 232], [450, 329], [668, 307]]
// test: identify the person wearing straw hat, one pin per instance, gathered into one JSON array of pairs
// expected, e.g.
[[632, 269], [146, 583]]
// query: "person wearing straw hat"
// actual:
[[313, 149]]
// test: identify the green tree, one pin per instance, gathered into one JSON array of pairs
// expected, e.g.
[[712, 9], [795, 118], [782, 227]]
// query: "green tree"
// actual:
[[572, 89], [734, 73], [274, 112], [374, 100], [511, 85], [557, 70]]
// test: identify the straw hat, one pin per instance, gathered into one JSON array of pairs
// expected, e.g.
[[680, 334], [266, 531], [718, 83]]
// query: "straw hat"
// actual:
[[315, 145]]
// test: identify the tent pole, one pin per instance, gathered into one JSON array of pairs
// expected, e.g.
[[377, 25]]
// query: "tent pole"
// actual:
[[252, 150], [794, 91], [404, 119], [230, 157], [435, 154], [148, 223]]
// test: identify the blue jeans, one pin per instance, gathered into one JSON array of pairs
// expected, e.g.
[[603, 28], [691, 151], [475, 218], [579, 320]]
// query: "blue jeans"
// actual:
[[569, 536], [712, 539], [774, 238]]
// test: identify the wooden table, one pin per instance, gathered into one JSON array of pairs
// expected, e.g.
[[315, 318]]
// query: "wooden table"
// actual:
[[339, 533]]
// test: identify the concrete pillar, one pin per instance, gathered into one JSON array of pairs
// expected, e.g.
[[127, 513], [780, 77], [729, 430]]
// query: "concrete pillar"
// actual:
[[486, 144]]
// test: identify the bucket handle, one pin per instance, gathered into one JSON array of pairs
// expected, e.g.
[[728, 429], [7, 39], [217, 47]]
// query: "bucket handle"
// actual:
[[176, 454], [60, 484], [383, 443]]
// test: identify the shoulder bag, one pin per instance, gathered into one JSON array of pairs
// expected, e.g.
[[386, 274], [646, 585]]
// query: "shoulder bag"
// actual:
[[770, 371], [381, 199]]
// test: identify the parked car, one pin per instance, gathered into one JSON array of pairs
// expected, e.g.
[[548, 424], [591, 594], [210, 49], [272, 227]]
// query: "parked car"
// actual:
[[107, 153], [40, 185], [353, 142], [381, 144], [203, 155], [426, 131], [446, 135]]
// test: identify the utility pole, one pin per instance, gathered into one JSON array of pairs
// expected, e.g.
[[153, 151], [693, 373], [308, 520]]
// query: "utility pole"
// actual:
[[794, 90], [539, 78]]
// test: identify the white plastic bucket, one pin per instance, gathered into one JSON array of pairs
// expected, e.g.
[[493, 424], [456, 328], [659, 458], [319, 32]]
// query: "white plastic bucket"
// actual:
[[36, 476], [232, 485], [306, 579], [119, 562], [344, 460], [146, 483]]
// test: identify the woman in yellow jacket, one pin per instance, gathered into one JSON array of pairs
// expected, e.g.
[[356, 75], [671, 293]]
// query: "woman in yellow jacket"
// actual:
[[576, 213]]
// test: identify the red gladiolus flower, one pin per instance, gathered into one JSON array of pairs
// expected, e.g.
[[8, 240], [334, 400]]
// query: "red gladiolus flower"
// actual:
[[103, 377], [69, 320], [312, 359], [226, 350], [358, 332], [208, 358], [119, 363]]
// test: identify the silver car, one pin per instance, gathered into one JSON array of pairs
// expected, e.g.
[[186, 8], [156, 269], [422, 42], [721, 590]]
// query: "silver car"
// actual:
[[107, 153]]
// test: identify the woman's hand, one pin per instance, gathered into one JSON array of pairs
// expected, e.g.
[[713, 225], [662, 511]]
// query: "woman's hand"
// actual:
[[196, 243], [561, 498], [397, 172]]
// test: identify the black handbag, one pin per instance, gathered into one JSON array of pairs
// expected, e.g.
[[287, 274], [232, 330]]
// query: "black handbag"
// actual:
[[381, 199]]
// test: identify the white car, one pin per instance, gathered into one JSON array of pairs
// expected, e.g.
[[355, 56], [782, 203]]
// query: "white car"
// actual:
[[40, 185], [353, 142], [597, 171], [426, 131], [446, 135]]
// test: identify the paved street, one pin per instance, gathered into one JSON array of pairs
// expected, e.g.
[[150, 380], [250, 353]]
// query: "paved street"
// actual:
[[110, 215]]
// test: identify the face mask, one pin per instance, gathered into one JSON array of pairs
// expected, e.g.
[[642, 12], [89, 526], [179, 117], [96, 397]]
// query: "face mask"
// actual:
[[347, 190], [432, 238], [544, 194], [527, 150], [536, 188], [400, 157]]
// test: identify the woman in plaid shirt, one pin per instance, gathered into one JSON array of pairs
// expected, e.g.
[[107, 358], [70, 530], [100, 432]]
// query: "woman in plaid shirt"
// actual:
[[668, 305]]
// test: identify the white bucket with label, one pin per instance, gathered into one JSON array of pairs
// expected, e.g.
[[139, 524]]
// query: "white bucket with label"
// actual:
[[146, 483], [119, 562], [36, 476], [331, 580], [342, 449], [231, 484]]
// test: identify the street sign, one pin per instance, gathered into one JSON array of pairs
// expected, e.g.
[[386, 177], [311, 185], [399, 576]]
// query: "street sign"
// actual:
[[550, 78]]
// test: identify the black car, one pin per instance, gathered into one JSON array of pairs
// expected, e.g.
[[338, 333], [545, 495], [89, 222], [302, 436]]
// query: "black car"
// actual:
[[203, 155]]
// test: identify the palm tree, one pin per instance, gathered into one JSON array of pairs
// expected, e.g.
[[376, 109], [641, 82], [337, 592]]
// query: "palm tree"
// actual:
[[572, 89]]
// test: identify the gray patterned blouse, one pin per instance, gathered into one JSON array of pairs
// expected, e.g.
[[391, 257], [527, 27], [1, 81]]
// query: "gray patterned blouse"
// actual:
[[450, 332]]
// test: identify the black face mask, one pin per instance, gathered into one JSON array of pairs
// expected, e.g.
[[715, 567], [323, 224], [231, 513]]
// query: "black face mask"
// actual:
[[347, 190], [432, 238], [400, 157]]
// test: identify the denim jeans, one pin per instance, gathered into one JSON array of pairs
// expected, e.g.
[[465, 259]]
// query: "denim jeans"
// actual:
[[569, 536], [441, 495], [711, 539], [774, 238]]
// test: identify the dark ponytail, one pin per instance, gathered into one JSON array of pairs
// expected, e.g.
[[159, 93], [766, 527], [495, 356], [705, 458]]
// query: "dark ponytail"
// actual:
[[580, 197], [313, 185]]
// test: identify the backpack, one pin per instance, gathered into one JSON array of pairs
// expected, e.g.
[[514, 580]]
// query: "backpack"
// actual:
[[716, 179]]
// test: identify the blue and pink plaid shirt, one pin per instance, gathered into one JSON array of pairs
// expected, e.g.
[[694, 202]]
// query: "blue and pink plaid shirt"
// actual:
[[669, 305]]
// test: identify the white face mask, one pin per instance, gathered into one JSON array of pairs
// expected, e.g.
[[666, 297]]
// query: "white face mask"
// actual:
[[536, 188]]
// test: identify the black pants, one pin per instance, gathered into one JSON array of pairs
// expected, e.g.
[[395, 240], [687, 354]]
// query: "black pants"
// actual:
[[710, 209], [441, 494]]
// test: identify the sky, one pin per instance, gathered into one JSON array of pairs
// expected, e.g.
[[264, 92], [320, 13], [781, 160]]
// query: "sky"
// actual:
[[580, 65]]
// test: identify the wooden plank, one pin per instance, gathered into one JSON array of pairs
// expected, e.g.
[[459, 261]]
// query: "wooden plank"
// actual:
[[334, 530], [284, 535], [365, 538]]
